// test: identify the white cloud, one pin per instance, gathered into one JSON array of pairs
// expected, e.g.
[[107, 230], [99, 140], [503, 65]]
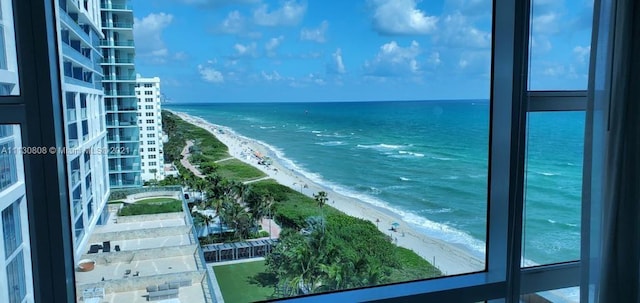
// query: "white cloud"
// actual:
[[540, 44], [248, 50], [336, 66], [274, 76], [434, 59], [554, 71], [148, 36], [457, 31], [401, 17], [545, 24], [582, 53], [233, 24], [210, 74], [315, 34], [272, 45], [290, 13], [394, 61]]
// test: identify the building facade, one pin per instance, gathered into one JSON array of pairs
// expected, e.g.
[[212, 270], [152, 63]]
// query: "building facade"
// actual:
[[150, 121], [118, 51], [15, 248], [84, 115]]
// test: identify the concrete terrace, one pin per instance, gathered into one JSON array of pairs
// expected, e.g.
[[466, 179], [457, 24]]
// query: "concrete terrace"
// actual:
[[153, 250]]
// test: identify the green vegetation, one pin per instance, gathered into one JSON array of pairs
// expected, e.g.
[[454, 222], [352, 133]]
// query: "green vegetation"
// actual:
[[325, 249], [150, 209], [237, 170], [206, 146], [245, 282], [156, 200]]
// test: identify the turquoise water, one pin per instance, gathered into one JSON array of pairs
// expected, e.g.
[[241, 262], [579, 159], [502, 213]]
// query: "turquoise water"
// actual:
[[426, 161]]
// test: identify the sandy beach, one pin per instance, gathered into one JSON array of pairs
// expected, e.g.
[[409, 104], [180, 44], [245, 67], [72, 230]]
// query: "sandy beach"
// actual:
[[450, 259]]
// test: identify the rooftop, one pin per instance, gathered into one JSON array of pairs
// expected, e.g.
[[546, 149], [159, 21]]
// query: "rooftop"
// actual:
[[138, 256]]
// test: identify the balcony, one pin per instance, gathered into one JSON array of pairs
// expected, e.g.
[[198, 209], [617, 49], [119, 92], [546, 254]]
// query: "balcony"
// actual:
[[71, 115], [116, 93], [111, 43], [124, 25], [108, 61], [116, 123], [77, 207], [87, 167], [111, 6], [76, 55], [83, 113], [74, 81], [74, 26], [119, 78], [73, 143], [75, 177]]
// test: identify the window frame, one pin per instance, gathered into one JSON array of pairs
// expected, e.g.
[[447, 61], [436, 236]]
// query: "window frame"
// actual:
[[50, 222]]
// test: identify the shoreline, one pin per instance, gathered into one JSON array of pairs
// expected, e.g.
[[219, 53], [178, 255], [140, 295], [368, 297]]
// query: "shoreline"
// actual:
[[451, 259]]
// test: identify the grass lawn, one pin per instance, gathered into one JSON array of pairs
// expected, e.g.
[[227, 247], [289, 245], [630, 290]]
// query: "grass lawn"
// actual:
[[238, 171], [244, 282], [155, 200], [151, 208]]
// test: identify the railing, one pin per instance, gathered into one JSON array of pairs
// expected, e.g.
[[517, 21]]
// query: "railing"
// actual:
[[71, 115], [76, 55], [87, 167], [117, 24], [77, 207], [116, 43], [127, 7], [85, 137], [73, 143], [64, 16], [120, 93], [75, 177], [74, 81], [117, 60], [83, 113], [119, 77]]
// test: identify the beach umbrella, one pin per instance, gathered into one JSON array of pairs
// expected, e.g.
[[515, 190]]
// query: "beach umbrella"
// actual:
[[395, 224]]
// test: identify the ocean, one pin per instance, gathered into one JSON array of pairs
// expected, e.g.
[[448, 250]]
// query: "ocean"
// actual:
[[425, 161]]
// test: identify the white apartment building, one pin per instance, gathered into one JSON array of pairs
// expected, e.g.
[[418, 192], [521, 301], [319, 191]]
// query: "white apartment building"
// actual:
[[15, 248], [118, 66], [79, 34], [150, 122]]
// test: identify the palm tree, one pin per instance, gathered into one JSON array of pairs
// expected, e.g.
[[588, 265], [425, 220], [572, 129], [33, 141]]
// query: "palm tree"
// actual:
[[218, 206], [236, 215], [241, 191], [321, 198], [202, 220]]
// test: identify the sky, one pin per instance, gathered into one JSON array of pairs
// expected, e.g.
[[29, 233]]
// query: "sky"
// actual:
[[347, 50]]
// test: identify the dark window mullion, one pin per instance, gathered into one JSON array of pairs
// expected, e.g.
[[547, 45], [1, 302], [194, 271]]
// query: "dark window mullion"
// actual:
[[539, 101]]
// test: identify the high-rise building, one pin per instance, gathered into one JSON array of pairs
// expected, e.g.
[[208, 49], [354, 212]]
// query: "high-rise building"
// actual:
[[83, 111], [119, 82], [150, 122], [15, 248]]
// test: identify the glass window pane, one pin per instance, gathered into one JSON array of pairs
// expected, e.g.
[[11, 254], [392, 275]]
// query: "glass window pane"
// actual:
[[564, 295], [553, 187], [11, 231], [16, 283], [8, 60], [15, 258], [560, 44]]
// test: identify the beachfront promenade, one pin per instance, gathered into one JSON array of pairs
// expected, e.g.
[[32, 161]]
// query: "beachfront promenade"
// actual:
[[449, 258]]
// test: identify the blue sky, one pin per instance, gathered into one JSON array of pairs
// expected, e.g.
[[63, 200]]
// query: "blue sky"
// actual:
[[346, 50]]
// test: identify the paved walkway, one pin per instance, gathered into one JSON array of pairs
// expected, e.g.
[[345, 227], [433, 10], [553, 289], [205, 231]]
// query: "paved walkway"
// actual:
[[185, 160], [256, 180], [225, 159]]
